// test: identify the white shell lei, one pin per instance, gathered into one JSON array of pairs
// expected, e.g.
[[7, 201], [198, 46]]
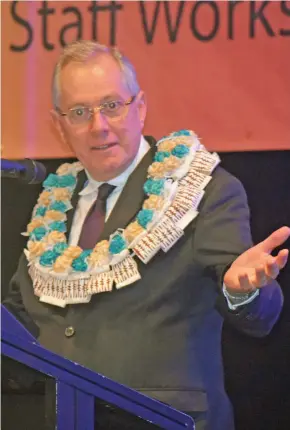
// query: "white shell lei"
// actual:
[[174, 209]]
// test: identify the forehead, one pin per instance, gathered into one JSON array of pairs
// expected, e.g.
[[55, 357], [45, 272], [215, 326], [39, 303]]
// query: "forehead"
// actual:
[[91, 81]]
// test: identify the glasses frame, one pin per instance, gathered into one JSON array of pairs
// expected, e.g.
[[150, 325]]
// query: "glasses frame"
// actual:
[[93, 110]]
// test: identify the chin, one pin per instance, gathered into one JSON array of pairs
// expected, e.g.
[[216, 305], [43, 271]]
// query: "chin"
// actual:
[[116, 167], [109, 167], [106, 173]]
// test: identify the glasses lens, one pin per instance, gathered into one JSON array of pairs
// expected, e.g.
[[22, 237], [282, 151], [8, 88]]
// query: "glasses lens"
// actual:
[[113, 109], [79, 115]]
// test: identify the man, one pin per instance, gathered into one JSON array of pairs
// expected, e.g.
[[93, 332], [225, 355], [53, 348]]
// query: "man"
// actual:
[[162, 334]]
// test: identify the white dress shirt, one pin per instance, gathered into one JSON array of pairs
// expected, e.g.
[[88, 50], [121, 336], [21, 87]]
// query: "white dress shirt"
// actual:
[[89, 194]]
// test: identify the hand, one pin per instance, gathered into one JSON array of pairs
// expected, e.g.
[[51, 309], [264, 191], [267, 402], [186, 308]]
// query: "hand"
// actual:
[[256, 267]]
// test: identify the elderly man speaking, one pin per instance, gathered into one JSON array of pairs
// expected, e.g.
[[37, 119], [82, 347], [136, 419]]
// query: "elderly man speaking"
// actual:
[[140, 249]]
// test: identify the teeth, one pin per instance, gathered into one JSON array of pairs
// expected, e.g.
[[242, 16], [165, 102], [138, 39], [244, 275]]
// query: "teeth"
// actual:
[[103, 146]]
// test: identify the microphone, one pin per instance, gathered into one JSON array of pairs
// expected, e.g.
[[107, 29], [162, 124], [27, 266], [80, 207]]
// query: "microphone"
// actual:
[[28, 171]]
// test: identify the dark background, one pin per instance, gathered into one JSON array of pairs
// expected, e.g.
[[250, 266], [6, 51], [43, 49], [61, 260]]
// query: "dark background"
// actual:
[[257, 371]]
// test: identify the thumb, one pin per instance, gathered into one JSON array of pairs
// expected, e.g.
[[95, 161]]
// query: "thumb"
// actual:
[[275, 239]]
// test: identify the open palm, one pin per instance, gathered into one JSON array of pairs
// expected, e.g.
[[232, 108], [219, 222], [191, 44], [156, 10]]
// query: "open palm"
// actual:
[[256, 267]]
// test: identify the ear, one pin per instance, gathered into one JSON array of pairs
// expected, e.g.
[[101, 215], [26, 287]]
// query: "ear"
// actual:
[[56, 122], [142, 107]]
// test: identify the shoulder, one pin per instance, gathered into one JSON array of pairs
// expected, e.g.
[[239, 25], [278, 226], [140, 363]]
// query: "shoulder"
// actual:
[[222, 188], [223, 180], [221, 177]]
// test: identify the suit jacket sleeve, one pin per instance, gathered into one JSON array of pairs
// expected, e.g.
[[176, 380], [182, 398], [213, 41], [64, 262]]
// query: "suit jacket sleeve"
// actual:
[[222, 233], [14, 301]]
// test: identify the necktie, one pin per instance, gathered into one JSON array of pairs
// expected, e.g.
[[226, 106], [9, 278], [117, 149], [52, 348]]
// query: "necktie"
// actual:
[[95, 219]]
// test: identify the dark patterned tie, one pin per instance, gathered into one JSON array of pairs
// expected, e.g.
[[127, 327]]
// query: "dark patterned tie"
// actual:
[[95, 219]]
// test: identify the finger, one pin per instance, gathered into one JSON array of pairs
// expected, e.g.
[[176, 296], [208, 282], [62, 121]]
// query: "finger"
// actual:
[[245, 283], [260, 278], [282, 258], [275, 239], [272, 268], [273, 265]]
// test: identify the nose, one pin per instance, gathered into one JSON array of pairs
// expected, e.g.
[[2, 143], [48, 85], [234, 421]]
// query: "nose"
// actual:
[[99, 122]]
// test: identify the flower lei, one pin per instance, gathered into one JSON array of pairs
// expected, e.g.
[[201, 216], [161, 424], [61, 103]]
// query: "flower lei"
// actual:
[[64, 274]]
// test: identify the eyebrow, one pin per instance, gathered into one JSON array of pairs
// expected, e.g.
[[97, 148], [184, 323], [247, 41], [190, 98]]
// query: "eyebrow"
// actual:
[[113, 96]]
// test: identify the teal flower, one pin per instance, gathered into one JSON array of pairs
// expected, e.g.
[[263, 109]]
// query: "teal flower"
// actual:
[[159, 156], [66, 181], [79, 264], [117, 244], [54, 180], [38, 233], [59, 248], [58, 226], [182, 133], [85, 253], [40, 211], [180, 151], [58, 205], [51, 181], [48, 258], [154, 186], [145, 216]]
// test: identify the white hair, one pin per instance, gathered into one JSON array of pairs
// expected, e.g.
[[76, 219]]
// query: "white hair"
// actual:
[[83, 50]]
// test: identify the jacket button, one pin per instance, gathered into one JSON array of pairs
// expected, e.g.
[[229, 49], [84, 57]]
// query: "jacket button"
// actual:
[[69, 331]]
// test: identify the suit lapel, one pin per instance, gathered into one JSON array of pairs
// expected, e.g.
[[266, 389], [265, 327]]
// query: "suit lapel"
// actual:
[[131, 199]]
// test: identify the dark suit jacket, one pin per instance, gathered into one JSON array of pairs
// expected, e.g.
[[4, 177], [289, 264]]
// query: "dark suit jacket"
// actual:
[[162, 335]]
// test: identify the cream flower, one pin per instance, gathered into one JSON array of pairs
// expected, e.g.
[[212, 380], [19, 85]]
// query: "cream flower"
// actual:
[[102, 247], [53, 215], [100, 254], [77, 166], [64, 169], [157, 170], [36, 222], [132, 231], [61, 194], [44, 198], [35, 248], [62, 263], [72, 252], [184, 140], [171, 163], [98, 259], [167, 145], [154, 202], [55, 237]]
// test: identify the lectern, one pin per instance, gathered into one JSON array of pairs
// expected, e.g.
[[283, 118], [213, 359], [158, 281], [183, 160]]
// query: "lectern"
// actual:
[[83, 398]]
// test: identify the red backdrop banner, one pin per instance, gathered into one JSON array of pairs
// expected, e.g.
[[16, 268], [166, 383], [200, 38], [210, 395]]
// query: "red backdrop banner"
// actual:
[[219, 68]]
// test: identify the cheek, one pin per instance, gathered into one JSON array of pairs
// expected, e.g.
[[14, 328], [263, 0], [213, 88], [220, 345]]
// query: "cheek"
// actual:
[[129, 141], [76, 140], [129, 133]]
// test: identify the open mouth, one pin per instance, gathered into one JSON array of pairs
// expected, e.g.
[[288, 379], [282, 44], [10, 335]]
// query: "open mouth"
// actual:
[[103, 147]]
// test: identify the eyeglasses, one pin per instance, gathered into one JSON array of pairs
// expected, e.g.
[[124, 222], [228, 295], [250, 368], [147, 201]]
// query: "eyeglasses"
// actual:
[[112, 110]]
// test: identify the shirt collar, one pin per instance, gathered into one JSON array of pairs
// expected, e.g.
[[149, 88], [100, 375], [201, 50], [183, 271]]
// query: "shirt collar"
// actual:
[[92, 185]]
